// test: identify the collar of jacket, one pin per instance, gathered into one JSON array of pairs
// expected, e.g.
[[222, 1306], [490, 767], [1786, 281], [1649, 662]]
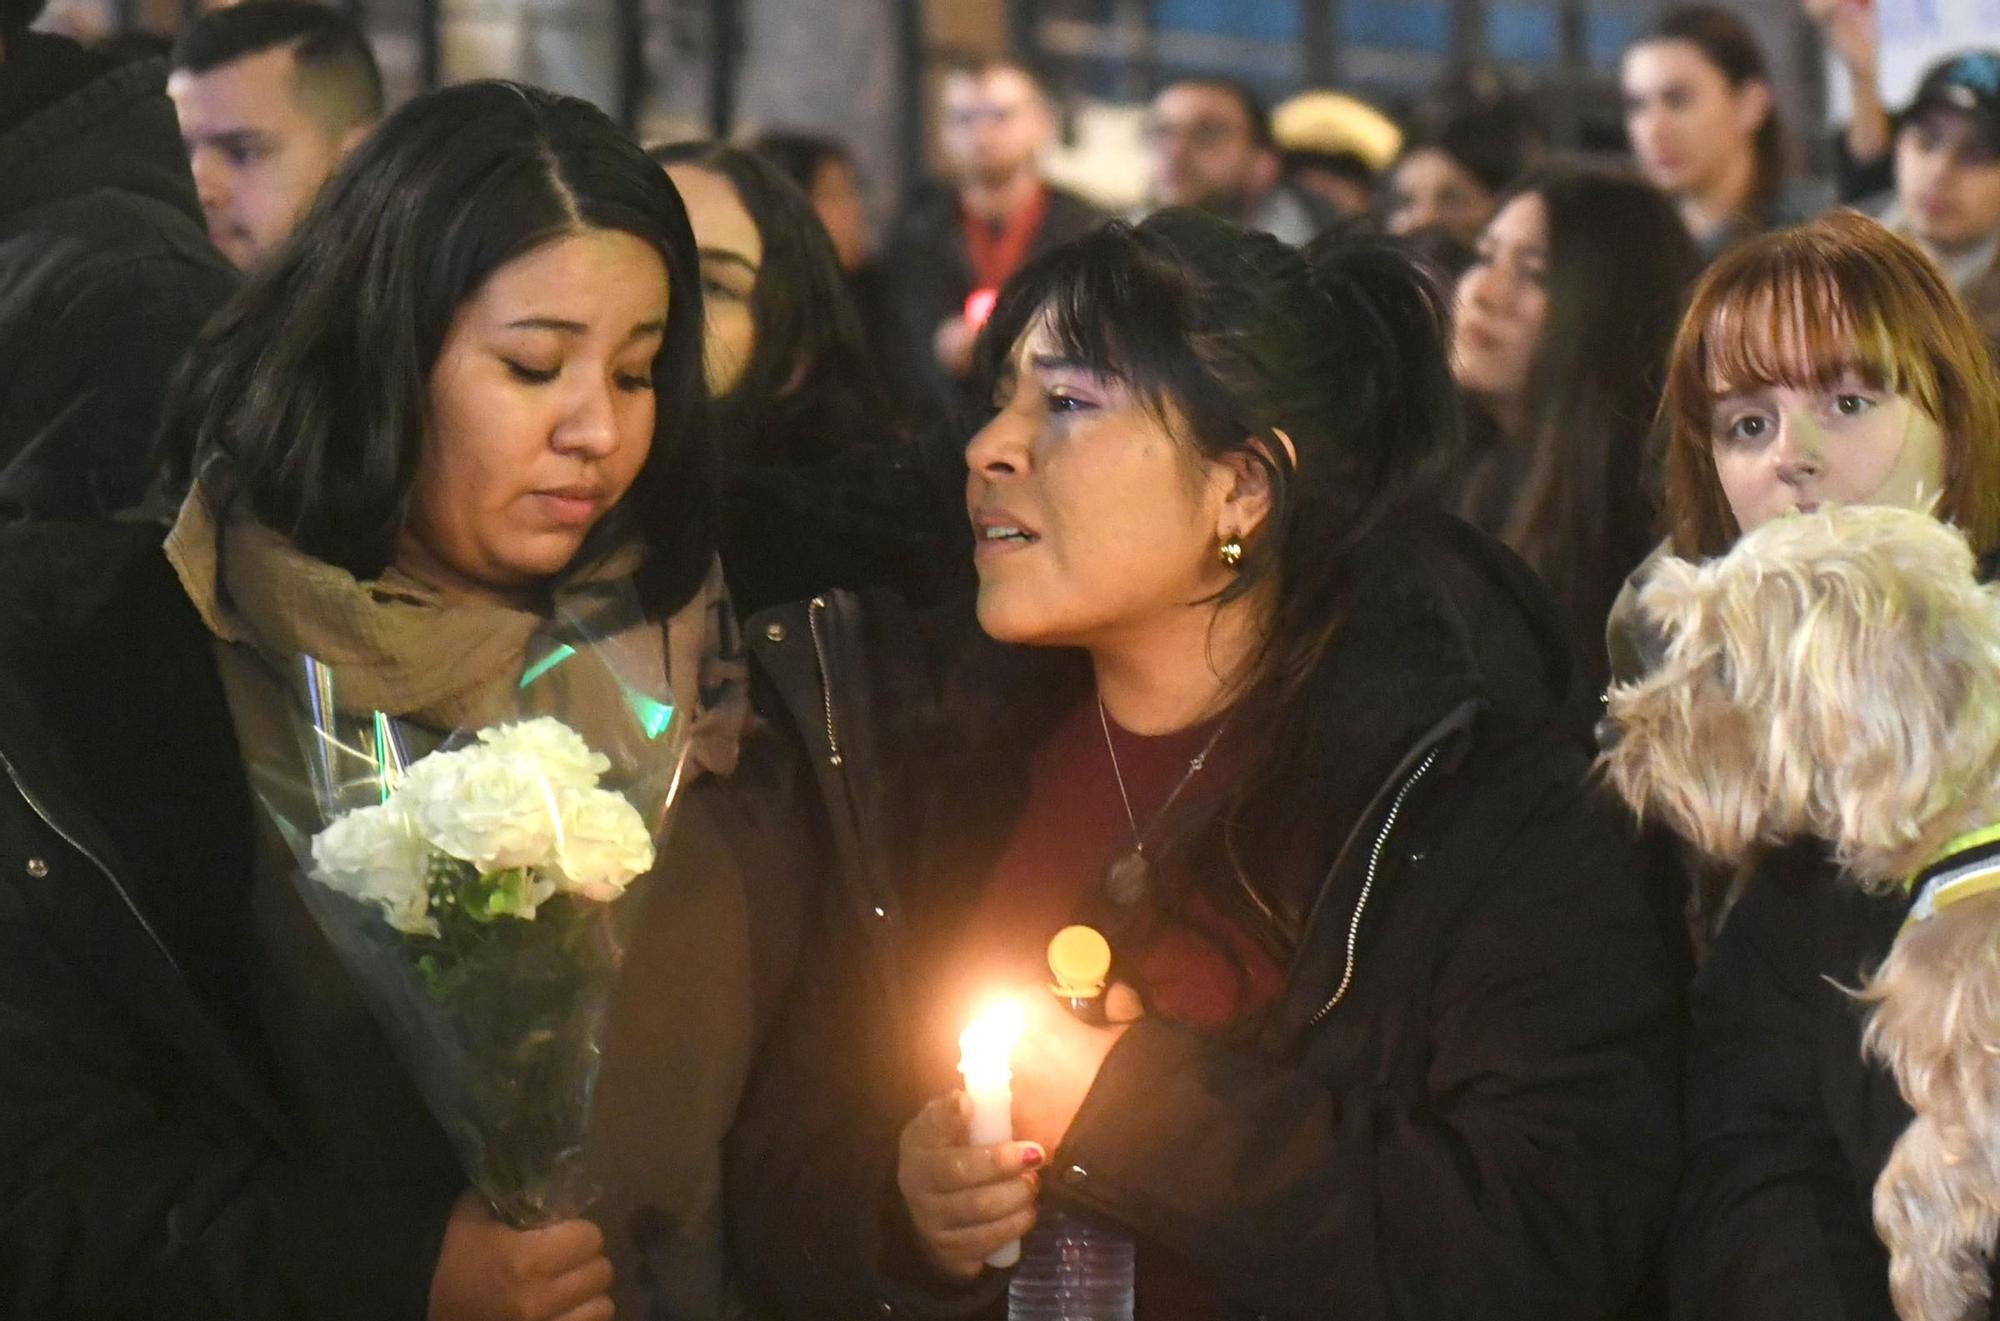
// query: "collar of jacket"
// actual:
[[88, 124], [908, 719], [115, 733]]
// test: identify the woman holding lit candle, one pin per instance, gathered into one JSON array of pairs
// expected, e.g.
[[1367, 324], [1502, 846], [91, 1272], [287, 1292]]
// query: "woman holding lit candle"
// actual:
[[1396, 1038]]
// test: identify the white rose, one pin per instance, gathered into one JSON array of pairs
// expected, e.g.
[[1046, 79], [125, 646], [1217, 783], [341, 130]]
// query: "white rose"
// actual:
[[604, 845], [490, 809], [376, 855], [563, 754]]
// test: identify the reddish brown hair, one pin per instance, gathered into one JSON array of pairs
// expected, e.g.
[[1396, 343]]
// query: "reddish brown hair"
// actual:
[[1802, 307]]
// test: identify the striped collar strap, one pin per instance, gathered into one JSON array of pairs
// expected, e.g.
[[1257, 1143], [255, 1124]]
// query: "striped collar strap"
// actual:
[[1969, 865]]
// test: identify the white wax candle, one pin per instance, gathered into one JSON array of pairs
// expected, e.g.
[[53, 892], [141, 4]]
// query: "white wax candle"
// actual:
[[985, 1048]]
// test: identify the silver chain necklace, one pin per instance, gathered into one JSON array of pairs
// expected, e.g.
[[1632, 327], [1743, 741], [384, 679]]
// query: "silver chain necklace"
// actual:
[[1129, 878]]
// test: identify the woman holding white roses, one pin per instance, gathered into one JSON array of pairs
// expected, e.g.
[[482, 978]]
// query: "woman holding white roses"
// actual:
[[470, 386]]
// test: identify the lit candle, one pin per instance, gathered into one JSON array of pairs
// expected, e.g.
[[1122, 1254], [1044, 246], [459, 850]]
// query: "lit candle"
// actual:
[[985, 1050]]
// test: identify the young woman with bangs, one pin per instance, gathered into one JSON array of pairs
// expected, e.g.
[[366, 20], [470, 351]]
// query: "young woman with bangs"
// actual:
[[1396, 1032], [1827, 364]]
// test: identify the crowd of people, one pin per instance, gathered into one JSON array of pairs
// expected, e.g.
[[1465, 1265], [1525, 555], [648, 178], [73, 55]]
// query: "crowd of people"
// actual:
[[1240, 578]]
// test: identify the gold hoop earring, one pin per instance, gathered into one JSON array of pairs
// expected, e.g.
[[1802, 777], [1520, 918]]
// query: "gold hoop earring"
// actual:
[[1230, 552]]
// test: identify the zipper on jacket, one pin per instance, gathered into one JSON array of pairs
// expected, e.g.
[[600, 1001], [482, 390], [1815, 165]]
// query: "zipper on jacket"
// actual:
[[1368, 884], [818, 604], [35, 805]]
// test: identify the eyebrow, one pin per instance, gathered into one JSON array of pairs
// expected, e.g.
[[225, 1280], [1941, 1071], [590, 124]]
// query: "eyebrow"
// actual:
[[724, 254], [1736, 394], [562, 327], [1054, 362], [233, 137]]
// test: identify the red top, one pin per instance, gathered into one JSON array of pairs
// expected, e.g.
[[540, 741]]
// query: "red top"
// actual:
[[997, 251], [1203, 970]]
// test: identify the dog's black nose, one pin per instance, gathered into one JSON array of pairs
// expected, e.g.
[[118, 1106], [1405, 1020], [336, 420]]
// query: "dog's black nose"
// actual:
[[1608, 730]]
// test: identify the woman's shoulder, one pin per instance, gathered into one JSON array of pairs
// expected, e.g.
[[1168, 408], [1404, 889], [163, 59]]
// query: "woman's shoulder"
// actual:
[[60, 582], [1437, 598], [1798, 200]]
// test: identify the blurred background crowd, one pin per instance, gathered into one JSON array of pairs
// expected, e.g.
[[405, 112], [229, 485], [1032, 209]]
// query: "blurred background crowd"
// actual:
[[1565, 167], [862, 179]]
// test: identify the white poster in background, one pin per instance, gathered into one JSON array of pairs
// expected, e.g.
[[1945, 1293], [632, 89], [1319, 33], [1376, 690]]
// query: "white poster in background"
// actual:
[[1915, 35]]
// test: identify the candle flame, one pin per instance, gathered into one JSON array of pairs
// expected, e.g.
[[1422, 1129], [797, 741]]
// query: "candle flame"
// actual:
[[986, 1045]]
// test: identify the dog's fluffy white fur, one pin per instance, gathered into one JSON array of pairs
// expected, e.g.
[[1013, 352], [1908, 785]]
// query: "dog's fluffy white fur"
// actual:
[[1838, 675]]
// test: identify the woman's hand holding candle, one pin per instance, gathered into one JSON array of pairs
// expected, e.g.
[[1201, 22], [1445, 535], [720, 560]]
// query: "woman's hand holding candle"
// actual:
[[966, 1202], [970, 1190]]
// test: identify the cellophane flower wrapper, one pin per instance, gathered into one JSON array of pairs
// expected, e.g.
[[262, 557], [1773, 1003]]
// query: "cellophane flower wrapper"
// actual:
[[480, 885]]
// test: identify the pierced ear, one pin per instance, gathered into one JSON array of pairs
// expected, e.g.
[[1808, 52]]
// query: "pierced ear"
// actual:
[[1753, 104], [1246, 500]]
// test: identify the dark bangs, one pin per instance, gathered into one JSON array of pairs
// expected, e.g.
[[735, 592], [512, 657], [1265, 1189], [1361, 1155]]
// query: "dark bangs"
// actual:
[[1118, 303]]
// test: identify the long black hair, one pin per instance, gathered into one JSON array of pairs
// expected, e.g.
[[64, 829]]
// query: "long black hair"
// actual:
[[801, 157], [811, 377], [1620, 269], [1241, 344], [303, 403], [1339, 346]]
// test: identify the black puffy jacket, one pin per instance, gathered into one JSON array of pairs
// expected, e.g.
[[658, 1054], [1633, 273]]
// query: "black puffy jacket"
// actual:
[[156, 1162], [1788, 1127], [1482, 1124]]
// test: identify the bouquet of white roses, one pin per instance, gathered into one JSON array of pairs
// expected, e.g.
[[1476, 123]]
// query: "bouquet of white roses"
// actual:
[[481, 896], [492, 830]]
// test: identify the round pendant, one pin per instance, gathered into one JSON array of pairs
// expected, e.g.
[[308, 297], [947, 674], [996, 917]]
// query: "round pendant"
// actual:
[[1129, 878]]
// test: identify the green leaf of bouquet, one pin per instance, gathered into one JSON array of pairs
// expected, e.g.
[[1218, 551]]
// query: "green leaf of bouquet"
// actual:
[[501, 894]]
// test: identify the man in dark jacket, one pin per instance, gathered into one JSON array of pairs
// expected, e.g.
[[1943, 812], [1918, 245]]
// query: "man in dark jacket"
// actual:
[[1947, 197], [955, 247], [1209, 144], [105, 271], [272, 97]]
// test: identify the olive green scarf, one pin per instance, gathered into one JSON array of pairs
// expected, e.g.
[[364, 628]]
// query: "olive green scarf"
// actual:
[[399, 646]]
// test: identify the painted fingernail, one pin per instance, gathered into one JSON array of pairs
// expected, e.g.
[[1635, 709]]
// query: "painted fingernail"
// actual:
[[1033, 1157]]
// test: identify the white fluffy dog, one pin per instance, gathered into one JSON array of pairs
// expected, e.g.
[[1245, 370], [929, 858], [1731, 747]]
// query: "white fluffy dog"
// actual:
[[1838, 675]]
